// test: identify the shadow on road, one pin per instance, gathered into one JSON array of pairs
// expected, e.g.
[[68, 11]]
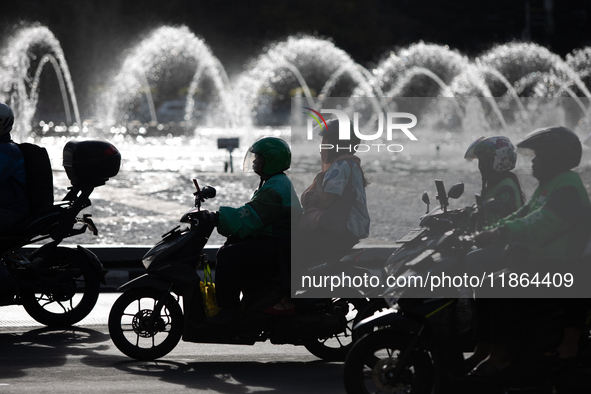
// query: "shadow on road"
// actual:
[[244, 377], [71, 358], [46, 347]]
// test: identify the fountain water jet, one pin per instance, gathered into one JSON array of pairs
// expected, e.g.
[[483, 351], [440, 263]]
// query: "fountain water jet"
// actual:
[[306, 64], [299, 66], [151, 62], [18, 56]]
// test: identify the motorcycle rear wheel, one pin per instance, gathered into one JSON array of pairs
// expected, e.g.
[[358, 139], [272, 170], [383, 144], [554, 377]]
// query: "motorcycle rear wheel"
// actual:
[[335, 348], [128, 324], [373, 358], [69, 291]]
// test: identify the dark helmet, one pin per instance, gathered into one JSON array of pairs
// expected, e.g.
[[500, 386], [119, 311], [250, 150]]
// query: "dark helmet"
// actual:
[[559, 144], [274, 150], [498, 151], [6, 119]]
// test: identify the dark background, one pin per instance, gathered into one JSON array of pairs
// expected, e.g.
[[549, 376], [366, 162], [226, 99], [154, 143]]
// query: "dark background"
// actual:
[[94, 34]]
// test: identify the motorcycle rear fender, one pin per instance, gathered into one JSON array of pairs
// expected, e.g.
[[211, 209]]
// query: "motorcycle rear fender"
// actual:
[[146, 280], [389, 317], [94, 262]]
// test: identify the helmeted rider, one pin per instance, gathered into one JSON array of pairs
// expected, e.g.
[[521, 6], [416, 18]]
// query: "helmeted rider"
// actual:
[[555, 225], [259, 231], [496, 159], [13, 199], [552, 222]]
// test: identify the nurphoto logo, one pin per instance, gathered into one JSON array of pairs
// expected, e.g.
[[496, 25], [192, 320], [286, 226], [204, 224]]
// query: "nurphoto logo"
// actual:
[[393, 123]]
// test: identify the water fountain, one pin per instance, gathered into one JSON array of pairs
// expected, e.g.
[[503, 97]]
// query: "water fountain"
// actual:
[[166, 61], [521, 86], [29, 49]]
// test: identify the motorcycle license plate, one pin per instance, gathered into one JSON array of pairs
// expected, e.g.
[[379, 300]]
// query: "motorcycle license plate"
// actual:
[[411, 235]]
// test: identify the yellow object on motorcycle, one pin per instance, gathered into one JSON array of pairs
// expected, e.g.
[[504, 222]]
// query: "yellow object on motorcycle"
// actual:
[[208, 292]]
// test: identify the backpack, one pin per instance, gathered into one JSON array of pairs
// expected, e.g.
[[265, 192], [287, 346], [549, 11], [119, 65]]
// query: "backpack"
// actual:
[[39, 186]]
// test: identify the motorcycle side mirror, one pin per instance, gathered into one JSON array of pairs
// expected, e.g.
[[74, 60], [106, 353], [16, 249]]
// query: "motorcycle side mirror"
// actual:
[[456, 191], [426, 200], [208, 192]]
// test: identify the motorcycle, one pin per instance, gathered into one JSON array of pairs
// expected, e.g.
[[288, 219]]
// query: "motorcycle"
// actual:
[[59, 286], [147, 322], [432, 225], [417, 344], [423, 333]]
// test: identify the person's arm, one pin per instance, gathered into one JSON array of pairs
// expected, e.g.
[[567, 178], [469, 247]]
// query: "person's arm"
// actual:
[[331, 184], [265, 208], [562, 209], [325, 199], [520, 213]]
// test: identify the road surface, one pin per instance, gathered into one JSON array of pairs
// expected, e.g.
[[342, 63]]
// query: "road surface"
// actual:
[[82, 360]]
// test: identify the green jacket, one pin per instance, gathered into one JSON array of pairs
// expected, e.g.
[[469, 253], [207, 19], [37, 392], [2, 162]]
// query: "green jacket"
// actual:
[[555, 223], [269, 212], [506, 192]]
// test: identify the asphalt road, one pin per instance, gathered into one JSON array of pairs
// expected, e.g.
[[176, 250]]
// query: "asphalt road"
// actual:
[[83, 359]]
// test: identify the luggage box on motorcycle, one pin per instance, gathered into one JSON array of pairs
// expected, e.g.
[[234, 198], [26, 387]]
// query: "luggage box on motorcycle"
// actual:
[[91, 163]]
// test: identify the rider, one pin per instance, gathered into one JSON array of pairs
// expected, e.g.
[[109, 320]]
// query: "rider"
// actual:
[[555, 225], [259, 231], [13, 199], [496, 158]]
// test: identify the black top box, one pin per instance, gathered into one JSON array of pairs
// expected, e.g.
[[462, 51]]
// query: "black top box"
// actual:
[[91, 163]]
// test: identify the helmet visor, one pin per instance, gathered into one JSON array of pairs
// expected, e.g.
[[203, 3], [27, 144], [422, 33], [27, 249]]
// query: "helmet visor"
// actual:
[[471, 152], [247, 165]]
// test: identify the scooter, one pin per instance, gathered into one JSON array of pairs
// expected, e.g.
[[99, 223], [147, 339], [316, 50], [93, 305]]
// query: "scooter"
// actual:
[[421, 339], [397, 338], [59, 286], [432, 225], [147, 322]]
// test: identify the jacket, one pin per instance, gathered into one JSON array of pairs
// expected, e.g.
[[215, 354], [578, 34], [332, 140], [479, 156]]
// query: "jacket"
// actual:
[[12, 178], [555, 223], [268, 213]]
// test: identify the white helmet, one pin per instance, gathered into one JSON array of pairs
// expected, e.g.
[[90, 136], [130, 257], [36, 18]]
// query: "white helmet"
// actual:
[[6, 119], [497, 152]]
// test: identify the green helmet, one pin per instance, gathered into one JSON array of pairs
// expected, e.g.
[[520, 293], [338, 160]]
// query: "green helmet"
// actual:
[[274, 150]]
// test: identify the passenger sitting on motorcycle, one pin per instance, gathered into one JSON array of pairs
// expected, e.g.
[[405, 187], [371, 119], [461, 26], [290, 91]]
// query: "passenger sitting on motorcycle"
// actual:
[[496, 158], [13, 199], [339, 185], [259, 231], [555, 227]]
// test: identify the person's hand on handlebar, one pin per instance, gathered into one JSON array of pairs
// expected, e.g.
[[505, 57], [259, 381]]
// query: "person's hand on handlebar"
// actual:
[[208, 216], [488, 237]]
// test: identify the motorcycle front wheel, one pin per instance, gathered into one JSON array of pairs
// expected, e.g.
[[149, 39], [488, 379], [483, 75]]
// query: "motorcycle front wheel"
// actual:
[[64, 290], [335, 348], [372, 361], [135, 331]]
